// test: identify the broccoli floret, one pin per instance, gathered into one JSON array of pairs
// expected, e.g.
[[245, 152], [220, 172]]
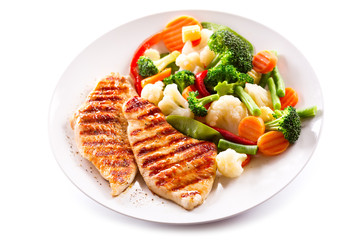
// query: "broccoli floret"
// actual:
[[181, 78], [197, 104], [230, 49], [288, 122], [215, 27], [227, 73], [148, 67]]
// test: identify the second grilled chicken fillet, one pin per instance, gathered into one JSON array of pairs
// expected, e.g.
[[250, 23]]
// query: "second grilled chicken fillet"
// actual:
[[173, 165], [100, 132]]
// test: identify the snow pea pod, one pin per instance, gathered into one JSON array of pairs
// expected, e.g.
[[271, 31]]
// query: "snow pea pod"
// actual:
[[193, 128]]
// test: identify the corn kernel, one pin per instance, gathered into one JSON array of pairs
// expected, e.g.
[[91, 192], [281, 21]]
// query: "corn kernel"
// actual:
[[191, 33]]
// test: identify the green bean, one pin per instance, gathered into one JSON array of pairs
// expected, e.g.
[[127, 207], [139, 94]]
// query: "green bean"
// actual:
[[240, 148], [264, 78], [274, 97], [248, 101], [279, 82]]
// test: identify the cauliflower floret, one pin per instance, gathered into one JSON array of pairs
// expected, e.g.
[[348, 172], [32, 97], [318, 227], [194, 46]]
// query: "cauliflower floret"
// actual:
[[226, 113], [189, 62], [173, 102], [266, 114], [153, 92], [206, 56], [229, 163], [152, 53], [259, 94], [188, 47], [196, 58], [205, 35]]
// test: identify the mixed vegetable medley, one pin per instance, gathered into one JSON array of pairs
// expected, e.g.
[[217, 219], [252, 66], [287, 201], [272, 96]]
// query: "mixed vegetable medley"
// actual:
[[212, 86]]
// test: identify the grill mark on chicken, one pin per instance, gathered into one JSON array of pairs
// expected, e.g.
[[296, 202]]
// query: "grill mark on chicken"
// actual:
[[155, 123], [112, 151], [98, 129], [165, 131], [187, 194], [203, 150], [91, 132], [103, 142], [149, 113], [101, 98], [99, 118], [177, 139], [196, 171], [173, 165], [101, 132], [180, 184], [134, 105], [148, 150], [158, 157], [99, 107], [120, 175], [110, 90], [115, 164], [135, 132]]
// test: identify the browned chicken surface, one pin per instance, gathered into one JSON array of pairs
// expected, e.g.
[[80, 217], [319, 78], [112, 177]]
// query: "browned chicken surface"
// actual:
[[173, 165], [101, 132]]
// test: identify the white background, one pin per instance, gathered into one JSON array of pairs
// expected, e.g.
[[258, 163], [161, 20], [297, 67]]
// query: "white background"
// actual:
[[39, 39]]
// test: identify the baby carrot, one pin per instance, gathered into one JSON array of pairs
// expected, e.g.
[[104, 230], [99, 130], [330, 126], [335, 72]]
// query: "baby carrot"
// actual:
[[251, 128], [157, 77], [290, 98], [264, 61], [172, 33], [272, 143]]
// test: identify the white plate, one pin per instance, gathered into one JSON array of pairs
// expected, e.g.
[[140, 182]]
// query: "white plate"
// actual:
[[262, 178]]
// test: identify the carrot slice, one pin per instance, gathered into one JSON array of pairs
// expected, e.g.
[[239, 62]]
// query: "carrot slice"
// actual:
[[157, 77], [291, 98], [172, 33], [264, 61], [251, 128], [188, 89], [272, 143]]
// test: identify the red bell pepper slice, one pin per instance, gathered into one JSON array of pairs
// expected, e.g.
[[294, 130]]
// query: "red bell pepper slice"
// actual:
[[154, 39], [246, 161], [232, 137], [196, 42], [199, 83]]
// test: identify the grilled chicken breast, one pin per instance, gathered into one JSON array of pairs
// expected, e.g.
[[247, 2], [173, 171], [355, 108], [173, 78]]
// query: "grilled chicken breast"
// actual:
[[174, 166], [101, 132]]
